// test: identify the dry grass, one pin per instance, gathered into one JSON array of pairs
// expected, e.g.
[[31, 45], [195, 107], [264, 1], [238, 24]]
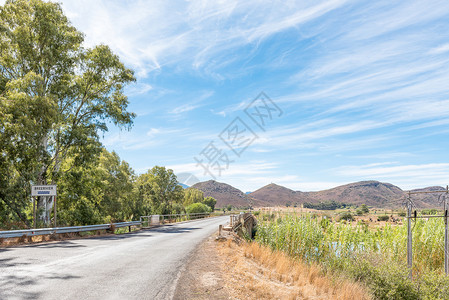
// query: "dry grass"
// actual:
[[255, 272]]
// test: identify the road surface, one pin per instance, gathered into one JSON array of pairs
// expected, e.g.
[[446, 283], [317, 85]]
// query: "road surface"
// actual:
[[141, 265]]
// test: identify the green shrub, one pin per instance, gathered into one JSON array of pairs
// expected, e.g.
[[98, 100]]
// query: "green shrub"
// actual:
[[385, 279], [383, 218], [196, 208], [429, 211], [347, 216]]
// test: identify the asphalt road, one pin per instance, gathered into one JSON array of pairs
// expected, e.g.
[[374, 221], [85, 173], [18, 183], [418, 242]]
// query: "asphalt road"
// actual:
[[141, 265]]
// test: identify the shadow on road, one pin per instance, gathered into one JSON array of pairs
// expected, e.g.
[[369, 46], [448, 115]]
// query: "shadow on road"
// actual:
[[18, 287], [9, 262], [61, 244], [173, 229]]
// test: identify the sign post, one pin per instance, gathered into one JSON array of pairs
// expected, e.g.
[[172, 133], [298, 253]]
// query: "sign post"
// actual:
[[43, 190]]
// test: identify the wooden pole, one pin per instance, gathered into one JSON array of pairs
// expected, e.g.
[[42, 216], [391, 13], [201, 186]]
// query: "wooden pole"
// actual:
[[409, 236]]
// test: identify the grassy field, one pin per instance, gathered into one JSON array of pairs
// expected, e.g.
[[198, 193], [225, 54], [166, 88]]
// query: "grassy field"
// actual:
[[374, 255]]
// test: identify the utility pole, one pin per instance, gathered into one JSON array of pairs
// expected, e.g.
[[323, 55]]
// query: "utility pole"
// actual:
[[409, 235], [446, 242]]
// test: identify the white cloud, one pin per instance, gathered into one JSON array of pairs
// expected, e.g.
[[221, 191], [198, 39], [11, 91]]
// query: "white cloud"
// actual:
[[440, 49]]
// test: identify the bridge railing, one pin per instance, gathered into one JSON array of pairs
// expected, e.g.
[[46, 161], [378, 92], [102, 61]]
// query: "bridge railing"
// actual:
[[152, 220], [45, 231], [144, 220]]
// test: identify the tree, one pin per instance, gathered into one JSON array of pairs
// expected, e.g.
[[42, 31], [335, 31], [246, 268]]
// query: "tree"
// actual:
[[159, 191], [192, 195], [99, 191], [197, 208], [210, 201], [55, 95], [364, 208]]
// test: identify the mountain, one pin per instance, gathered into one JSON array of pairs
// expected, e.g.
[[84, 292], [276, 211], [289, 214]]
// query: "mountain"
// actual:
[[274, 194], [372, 193], [226, 194], [184, 186], [428, 200]]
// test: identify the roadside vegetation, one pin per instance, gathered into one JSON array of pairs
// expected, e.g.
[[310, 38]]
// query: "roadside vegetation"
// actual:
[[374, 256], [254, 271], [57, 97]]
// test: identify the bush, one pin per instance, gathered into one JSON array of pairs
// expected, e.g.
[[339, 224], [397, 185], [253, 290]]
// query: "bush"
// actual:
[[383, 218], [402, 214], [347, 216], [196, 208], [429, 211], [386, 279]]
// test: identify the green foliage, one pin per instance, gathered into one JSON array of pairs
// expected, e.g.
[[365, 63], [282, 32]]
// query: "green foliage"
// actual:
[[229, 207], [55, 97], [375, 257], [383, 218], [210, 201], [158, 190], [328, 205], [385, 278], [197, 208], [103, 189], [364, 209], [192, 195], [429, 211], [346, 216]]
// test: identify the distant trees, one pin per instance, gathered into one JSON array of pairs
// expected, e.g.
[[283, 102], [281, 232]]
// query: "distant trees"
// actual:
[[363, 209], [328, 205]]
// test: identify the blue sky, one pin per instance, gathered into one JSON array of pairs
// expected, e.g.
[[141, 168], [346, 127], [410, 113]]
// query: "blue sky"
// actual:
[[363, 87]]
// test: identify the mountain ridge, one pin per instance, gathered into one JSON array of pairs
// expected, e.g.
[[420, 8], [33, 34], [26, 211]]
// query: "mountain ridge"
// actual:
[[370, 192]]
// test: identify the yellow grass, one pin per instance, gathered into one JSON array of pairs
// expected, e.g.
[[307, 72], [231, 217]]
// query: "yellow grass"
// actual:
[[255, 272]]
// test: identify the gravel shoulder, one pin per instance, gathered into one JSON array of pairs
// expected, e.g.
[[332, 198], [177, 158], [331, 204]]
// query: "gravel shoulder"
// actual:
[[202, 277]]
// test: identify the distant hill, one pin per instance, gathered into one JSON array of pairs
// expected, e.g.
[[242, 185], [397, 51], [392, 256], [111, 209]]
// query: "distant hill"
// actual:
[[274, 194], [225, 194], [372, 193], [427, 200], [184, 186]]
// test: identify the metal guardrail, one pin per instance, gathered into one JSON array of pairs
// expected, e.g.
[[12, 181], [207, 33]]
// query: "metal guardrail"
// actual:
[[162, 219], [44, 231]]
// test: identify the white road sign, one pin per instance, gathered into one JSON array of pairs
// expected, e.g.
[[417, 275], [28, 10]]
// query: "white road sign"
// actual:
[[43, 190]]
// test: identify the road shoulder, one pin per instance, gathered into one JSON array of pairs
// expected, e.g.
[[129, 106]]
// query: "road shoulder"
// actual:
[[202, 277]]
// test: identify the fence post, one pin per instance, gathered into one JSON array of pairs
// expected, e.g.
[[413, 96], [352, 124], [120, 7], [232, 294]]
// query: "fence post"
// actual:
[[409, 236]]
